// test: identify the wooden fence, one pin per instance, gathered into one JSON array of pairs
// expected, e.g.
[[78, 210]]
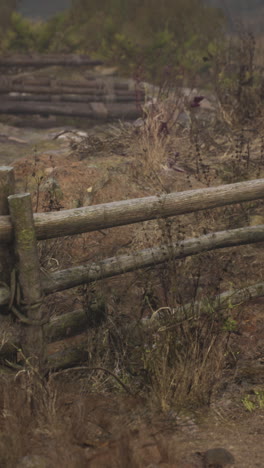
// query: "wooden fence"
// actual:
[[20, 229], [94, 97]]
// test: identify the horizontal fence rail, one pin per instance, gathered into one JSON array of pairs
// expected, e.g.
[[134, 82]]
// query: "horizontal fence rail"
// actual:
[[22, 273], [108, 215], [75, 322], [65, 279]]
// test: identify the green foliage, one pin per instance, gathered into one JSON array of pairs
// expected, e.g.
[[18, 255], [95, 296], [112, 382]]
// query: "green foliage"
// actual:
[[254, 401], [155, 38], [6, 10], [230, 325], [21, 36]]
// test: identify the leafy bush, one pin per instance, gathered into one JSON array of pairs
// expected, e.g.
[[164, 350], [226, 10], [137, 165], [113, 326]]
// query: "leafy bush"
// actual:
[[21, 35], [156, 38]]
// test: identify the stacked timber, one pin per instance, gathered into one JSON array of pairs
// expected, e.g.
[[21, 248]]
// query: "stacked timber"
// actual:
[[94, 97], [46, 60]]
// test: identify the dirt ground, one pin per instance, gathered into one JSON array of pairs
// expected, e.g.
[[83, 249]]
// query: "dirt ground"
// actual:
[[120, 430]]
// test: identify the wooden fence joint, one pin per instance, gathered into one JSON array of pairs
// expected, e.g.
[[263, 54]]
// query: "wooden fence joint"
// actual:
[[29, 278]]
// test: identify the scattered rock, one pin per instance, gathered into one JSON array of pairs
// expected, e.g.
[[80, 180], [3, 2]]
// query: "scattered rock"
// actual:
[[217, 458]]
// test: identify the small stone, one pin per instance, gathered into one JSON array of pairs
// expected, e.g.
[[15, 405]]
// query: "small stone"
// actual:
[[218, 458]]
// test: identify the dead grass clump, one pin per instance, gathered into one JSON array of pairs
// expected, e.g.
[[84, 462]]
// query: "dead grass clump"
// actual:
[[185, 361], [35, 427]]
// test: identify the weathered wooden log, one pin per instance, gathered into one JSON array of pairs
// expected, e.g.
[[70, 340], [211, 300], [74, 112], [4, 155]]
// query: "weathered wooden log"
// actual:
[[72, 356], [29, 277], [8, 88], [225, 300], [72, 323], [65, 279], [44, 60], [107, 215], [93, 83], [64, 359], [66, 325], [58, 328], [68, 357], [94, 110], [46, 81], [7, 187], [72, 98]]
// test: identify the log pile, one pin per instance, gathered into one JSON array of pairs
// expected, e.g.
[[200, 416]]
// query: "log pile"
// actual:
[[93, 98], [46, 60]]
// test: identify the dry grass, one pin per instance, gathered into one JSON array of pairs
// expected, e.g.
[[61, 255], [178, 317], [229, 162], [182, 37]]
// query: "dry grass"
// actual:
[[178, 361]]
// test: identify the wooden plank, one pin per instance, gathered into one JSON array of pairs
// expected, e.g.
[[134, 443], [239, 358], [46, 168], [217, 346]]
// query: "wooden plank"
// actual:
[[66, 279], [107, 215], [29, 277]]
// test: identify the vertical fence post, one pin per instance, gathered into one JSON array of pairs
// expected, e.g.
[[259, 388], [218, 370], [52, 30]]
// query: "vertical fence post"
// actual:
[[29, 278], [7, 187]]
